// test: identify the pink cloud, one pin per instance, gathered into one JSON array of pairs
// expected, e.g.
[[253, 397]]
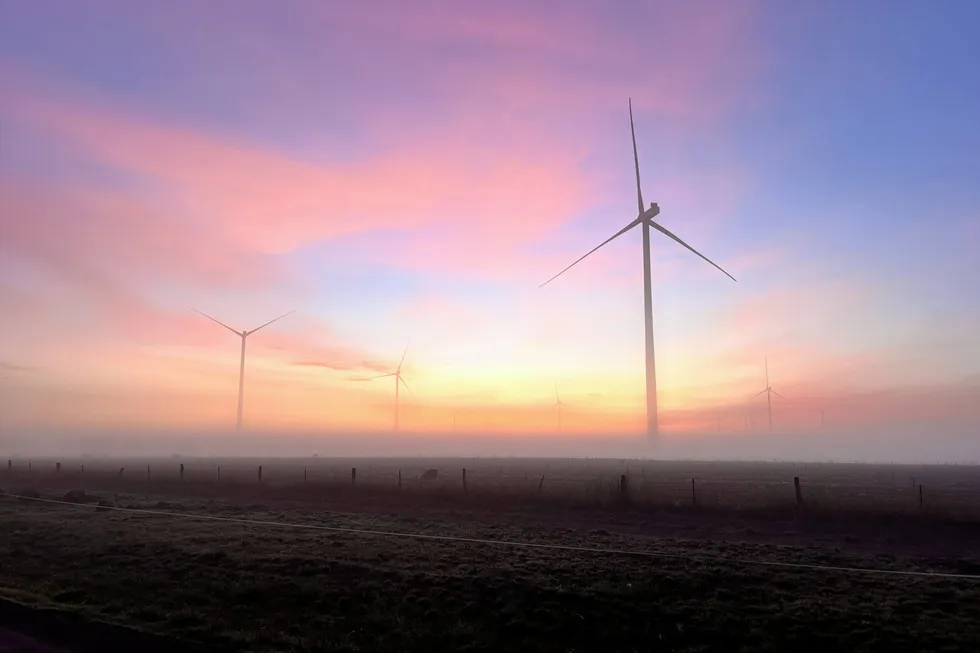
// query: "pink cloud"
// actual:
[[266, 202]]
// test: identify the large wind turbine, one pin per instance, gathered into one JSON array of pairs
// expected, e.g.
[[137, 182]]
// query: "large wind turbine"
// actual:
[[399, 380], [646, 220], [558, 404], [241, 368], [769, 393]]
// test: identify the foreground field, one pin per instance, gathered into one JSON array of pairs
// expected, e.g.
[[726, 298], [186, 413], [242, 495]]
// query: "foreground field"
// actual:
[[262, 587]]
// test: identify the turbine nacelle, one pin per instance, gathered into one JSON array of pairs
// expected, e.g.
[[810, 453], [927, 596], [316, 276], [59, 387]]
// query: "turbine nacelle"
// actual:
[[646, 218]]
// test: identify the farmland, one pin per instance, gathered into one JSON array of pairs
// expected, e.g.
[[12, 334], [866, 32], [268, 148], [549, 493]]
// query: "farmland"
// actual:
[[264, 582]]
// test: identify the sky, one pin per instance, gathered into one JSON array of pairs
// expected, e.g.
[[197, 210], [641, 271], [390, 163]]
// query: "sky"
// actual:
[[412, 172]]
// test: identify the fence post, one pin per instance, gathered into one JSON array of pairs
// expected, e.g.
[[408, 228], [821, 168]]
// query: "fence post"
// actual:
[[119, 475], [353, 475], [541, 484], [57, 468], [464, 479], [10, 465], [260, 473], [399, 479], [623, 486], [799, 492], [147, 472], [920, 497], [182, 471], [83, 469], [694, 496], [30, 469], [304, 476], [217, 475]]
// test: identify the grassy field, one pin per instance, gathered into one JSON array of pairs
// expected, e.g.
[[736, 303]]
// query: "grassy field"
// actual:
[[945, 489], [245, 587]]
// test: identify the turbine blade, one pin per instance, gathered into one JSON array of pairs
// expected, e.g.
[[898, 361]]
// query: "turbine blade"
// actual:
[[403, 354], [777, 394], [400, 378], [608, 240], [237, 333], [757, 394], [271, 321], [636, 162], [381, 376], [670, 235]]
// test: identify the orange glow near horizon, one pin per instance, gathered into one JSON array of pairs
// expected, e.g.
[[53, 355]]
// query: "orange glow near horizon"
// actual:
[[427, 201]]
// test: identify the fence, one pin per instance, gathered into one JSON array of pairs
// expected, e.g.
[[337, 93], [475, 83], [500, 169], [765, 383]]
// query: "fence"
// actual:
[[655, 485]]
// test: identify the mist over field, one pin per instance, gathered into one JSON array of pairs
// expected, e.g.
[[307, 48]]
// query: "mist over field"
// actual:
[[891, 445]]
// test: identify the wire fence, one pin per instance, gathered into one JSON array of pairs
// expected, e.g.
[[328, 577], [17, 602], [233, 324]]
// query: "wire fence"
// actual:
[[952, 492]]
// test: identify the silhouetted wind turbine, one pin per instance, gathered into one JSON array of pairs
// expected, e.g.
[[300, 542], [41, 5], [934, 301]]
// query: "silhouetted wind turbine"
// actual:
[[769, 393], [241, 368], [646, 219], [399, 380], [558, 404]]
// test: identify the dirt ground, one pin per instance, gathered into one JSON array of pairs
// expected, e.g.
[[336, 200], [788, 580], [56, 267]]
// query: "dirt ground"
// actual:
[[14, 642], [233, 586]]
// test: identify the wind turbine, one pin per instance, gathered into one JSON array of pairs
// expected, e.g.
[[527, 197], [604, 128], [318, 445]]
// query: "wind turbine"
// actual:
[[558, 404], [769, 393], [399, 380], [646, 220], [241, 367]]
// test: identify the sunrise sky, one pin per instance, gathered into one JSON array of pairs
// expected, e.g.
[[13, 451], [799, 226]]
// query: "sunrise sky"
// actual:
[[415, 170]]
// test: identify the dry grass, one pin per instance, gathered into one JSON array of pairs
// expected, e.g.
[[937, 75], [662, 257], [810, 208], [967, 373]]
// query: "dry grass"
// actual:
[[239, 587]]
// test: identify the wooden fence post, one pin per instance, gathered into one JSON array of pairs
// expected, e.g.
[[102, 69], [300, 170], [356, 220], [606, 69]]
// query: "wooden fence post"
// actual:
[[305, 478], [57, 468], [623, 486], [353, 475], [464, 479], [920, 497], [260, 473], [182, 471], [10, 465], [694, 496], [30, 469], [217, 474], [83, 469], [147, 472], [799, 492], [399, 479]]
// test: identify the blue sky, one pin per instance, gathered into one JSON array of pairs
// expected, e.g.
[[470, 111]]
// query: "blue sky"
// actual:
[[399, 174]]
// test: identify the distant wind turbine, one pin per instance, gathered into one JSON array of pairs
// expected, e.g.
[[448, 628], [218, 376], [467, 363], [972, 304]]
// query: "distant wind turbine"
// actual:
[[241, 368], [769, 393], [646, 219], [558, 404], [399, 380]]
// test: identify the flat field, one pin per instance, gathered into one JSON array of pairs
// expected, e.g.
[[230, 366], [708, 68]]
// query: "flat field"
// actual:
[[683, 567]]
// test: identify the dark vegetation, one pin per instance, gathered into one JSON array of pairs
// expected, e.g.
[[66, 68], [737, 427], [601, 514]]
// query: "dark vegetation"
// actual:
[[230, 586]]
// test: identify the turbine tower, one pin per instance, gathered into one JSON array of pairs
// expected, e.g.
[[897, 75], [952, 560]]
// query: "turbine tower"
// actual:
[[399, 380], [241, 368], [646, 220], [558, 404], [769, 393]]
